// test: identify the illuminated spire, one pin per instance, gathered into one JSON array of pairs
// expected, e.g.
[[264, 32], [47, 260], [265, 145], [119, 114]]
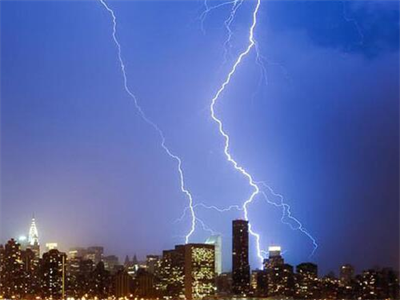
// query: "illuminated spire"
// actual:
[[33, 233]]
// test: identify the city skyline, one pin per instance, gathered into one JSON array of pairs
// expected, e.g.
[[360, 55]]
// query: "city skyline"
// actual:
[[188, 271], [323, 132], [272, 256]]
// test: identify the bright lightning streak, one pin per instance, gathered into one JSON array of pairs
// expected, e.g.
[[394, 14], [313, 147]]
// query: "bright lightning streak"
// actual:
[[287, 214], [212, 207], [206, 228], [228, 23], [178, 161], [208, 9], [221, 210], [256, 189]]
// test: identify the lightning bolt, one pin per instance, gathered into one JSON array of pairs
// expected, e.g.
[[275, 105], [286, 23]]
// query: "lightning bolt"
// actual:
[[228, 23], [208, 207], [176, 158], [286, 212], [252, 183], [256, 189], [208, 9]]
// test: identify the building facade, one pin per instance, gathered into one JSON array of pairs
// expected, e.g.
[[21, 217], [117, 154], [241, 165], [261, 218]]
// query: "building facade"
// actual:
[[216, 241], [240, 258], [53, 274], [199, 271]]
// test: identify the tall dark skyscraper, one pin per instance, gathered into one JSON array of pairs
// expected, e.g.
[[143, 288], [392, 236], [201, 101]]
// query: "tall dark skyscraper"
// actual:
[[53, 274], [240, 257]]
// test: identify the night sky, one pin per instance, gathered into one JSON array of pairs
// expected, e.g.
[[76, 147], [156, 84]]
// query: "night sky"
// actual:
[[323, 129]]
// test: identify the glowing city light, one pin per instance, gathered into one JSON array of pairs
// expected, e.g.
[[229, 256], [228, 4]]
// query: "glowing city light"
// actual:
[[274, 248]]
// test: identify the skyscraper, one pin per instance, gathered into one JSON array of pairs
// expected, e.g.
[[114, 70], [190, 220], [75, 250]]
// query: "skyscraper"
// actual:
[[152, 262], [122, 284], [31, 272], [240, 258], [12, 276], [346, 274], [188, 272], [172, 273], [274, 257], [53, 274], [1, 268], [110, 262], [94, 253], [33, 233], [307, 284], [33, 239], [144, 285], [216, 240], [277, 278], [199, 271]]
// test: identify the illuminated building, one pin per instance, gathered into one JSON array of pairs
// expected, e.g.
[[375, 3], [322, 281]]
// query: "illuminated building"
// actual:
[[53, 272], [12, 276], [110, 262], [33, 238], [171, 273], [346, 274], [100, 282], [216, 240], [135, 263], [307, 283], [33, 233], [329, 288], [77, 252], [31, 272], [132, 266], [277, 278], [274, 258], [152, 263], [281, 281], [188, 272], [51, 246], [94, 253], [83, 277], [1, 269], [129, 267], [23, 241], [73, 280], [307, 269], [378, 284], [240, 258], [253, 279], [199, 271]]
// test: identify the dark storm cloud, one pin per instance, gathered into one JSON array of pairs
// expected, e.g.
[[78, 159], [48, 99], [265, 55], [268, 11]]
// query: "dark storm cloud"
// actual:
[[366, 27]]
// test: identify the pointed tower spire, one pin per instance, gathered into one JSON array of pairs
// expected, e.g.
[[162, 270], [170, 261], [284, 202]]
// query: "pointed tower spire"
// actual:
[[135, 260], [33, 233], [127, 261]]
